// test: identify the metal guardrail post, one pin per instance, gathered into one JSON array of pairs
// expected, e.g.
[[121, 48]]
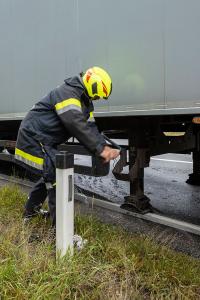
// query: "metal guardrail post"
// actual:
[[64, 203]]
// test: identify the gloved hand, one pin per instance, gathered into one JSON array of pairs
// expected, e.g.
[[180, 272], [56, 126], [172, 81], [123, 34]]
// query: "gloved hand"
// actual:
[[109, 153]]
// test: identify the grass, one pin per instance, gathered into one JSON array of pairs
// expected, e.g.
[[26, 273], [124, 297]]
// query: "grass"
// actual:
[[114, 264]]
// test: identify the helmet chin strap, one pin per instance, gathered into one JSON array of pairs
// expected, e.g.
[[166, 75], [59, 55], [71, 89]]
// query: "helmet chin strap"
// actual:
[[86, 97]]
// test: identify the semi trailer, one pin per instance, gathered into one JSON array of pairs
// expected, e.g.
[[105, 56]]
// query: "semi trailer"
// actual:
[[151, 49]]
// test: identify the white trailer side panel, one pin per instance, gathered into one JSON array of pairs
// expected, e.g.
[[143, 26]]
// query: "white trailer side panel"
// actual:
[[150, 47]]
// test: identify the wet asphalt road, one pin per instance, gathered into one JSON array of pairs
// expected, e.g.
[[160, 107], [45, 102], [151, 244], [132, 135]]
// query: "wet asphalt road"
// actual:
[[165, 185]]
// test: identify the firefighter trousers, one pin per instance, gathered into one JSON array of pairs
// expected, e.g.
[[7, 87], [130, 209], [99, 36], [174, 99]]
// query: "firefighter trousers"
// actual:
[[45, 187]]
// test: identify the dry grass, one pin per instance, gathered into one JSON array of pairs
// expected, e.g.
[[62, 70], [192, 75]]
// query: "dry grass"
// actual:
[[114, 264]]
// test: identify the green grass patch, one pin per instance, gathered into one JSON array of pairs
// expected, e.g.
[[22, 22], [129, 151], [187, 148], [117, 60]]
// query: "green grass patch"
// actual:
[[113, 265]]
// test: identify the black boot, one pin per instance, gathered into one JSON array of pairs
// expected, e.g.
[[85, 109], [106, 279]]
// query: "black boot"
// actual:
[[36, 211], [37, 196]]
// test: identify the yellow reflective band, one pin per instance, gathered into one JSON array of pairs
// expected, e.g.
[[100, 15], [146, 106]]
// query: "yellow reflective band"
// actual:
[[91, 114], [67, 102], [35, 159]]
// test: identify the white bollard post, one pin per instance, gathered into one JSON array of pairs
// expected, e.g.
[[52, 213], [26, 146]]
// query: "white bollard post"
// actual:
[[64, 203]]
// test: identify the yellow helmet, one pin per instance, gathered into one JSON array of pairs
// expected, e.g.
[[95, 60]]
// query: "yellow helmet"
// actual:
[[97, 83]]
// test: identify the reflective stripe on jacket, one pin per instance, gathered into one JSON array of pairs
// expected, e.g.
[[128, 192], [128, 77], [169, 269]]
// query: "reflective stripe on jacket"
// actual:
[[31, 160], [64, 112]]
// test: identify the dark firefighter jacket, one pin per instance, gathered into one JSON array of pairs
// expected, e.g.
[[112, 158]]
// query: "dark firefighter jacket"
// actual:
[[65, 112]]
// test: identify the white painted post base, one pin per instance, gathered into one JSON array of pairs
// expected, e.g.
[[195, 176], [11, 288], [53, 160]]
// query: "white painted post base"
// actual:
[[64, 203]]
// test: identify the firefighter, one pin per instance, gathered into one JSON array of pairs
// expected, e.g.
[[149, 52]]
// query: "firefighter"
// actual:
[[67, 111]]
